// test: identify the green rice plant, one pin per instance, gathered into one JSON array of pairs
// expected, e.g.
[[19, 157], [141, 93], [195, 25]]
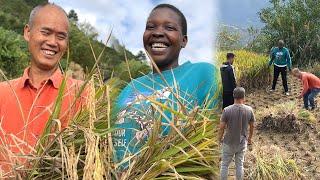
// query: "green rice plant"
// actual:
[[251, 69]]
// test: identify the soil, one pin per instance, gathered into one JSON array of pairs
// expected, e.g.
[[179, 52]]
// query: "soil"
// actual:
[[302, 146]]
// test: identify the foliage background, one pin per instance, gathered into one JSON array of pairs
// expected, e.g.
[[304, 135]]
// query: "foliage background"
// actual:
[[294, 21], [14, 55]]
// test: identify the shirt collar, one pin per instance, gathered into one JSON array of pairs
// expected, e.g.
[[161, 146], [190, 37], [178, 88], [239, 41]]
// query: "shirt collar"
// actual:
[[55, 78]]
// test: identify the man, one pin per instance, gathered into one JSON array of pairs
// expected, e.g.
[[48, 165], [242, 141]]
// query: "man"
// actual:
[[26, 103], [281, 59], [311, 87], [236, 118], [182, 87], [228, 80]]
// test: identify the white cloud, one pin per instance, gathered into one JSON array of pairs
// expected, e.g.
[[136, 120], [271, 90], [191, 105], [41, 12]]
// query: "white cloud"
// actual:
[[128, 19]]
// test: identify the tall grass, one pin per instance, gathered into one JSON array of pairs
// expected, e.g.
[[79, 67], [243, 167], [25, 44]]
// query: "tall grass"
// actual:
[[251, 69]]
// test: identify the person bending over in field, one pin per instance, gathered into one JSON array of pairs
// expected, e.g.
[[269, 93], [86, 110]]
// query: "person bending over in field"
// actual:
[[311, 87], [194, 83], [26, 103], [281, 59], [236, 119], [228, 80]]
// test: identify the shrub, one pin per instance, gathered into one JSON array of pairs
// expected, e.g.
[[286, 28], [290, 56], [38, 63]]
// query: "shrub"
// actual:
[[13, 53]]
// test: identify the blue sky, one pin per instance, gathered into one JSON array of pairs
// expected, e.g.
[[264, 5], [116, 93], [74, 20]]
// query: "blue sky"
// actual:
[[241, 13], [128, 18]]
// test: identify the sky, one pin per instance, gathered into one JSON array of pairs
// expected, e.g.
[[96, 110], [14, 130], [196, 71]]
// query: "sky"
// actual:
[[128, 18], [241, 13]]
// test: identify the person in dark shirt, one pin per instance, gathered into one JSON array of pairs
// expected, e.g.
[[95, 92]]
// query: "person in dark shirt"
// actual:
[[228, 80]]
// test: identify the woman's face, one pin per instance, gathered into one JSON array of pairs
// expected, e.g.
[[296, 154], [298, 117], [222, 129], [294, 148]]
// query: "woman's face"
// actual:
[[163, 37]]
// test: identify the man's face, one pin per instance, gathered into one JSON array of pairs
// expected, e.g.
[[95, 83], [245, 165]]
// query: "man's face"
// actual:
[[47, 37], [163, 38], [231, 60]]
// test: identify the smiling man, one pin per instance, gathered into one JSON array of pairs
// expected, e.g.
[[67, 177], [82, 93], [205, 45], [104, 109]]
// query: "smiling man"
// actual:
[[26, 103], [176, 86]]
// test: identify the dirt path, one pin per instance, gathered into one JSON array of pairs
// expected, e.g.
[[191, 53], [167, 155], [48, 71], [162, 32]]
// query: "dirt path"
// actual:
[[302, 147]]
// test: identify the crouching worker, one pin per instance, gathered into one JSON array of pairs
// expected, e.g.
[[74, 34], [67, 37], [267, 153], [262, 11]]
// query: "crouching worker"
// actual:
[[311, 87], [236, 119]]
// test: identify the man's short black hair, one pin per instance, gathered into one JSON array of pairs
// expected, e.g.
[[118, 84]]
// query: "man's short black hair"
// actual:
[[183, 19], [230, 55]]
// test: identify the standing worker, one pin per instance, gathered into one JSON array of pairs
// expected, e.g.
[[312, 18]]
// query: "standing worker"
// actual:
[[281, 59], [235, 119], [228, 80]]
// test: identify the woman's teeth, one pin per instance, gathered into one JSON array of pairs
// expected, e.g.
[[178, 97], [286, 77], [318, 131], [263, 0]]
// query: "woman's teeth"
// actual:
[[159, 45]]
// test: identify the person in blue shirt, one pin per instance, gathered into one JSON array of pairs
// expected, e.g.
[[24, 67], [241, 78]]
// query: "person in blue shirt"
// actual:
[[281, 59], [189, 85]]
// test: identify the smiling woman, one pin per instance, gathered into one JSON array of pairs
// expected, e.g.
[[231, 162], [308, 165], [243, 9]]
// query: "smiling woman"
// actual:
[[165, 35], [172, 85]]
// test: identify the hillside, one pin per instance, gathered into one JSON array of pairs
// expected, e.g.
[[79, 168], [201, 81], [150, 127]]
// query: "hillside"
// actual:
[[14, 15]]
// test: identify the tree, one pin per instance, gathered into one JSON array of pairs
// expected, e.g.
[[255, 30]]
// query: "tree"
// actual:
[[257, 41], [80, 51], [297, 23], [16, 8], [33, 3], [88, 30], [228, 38], [10, 22], [73, 16], [137, 69], [13, 53]]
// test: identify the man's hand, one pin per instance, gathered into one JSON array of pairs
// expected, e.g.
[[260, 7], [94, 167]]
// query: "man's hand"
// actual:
[[221, 132]]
